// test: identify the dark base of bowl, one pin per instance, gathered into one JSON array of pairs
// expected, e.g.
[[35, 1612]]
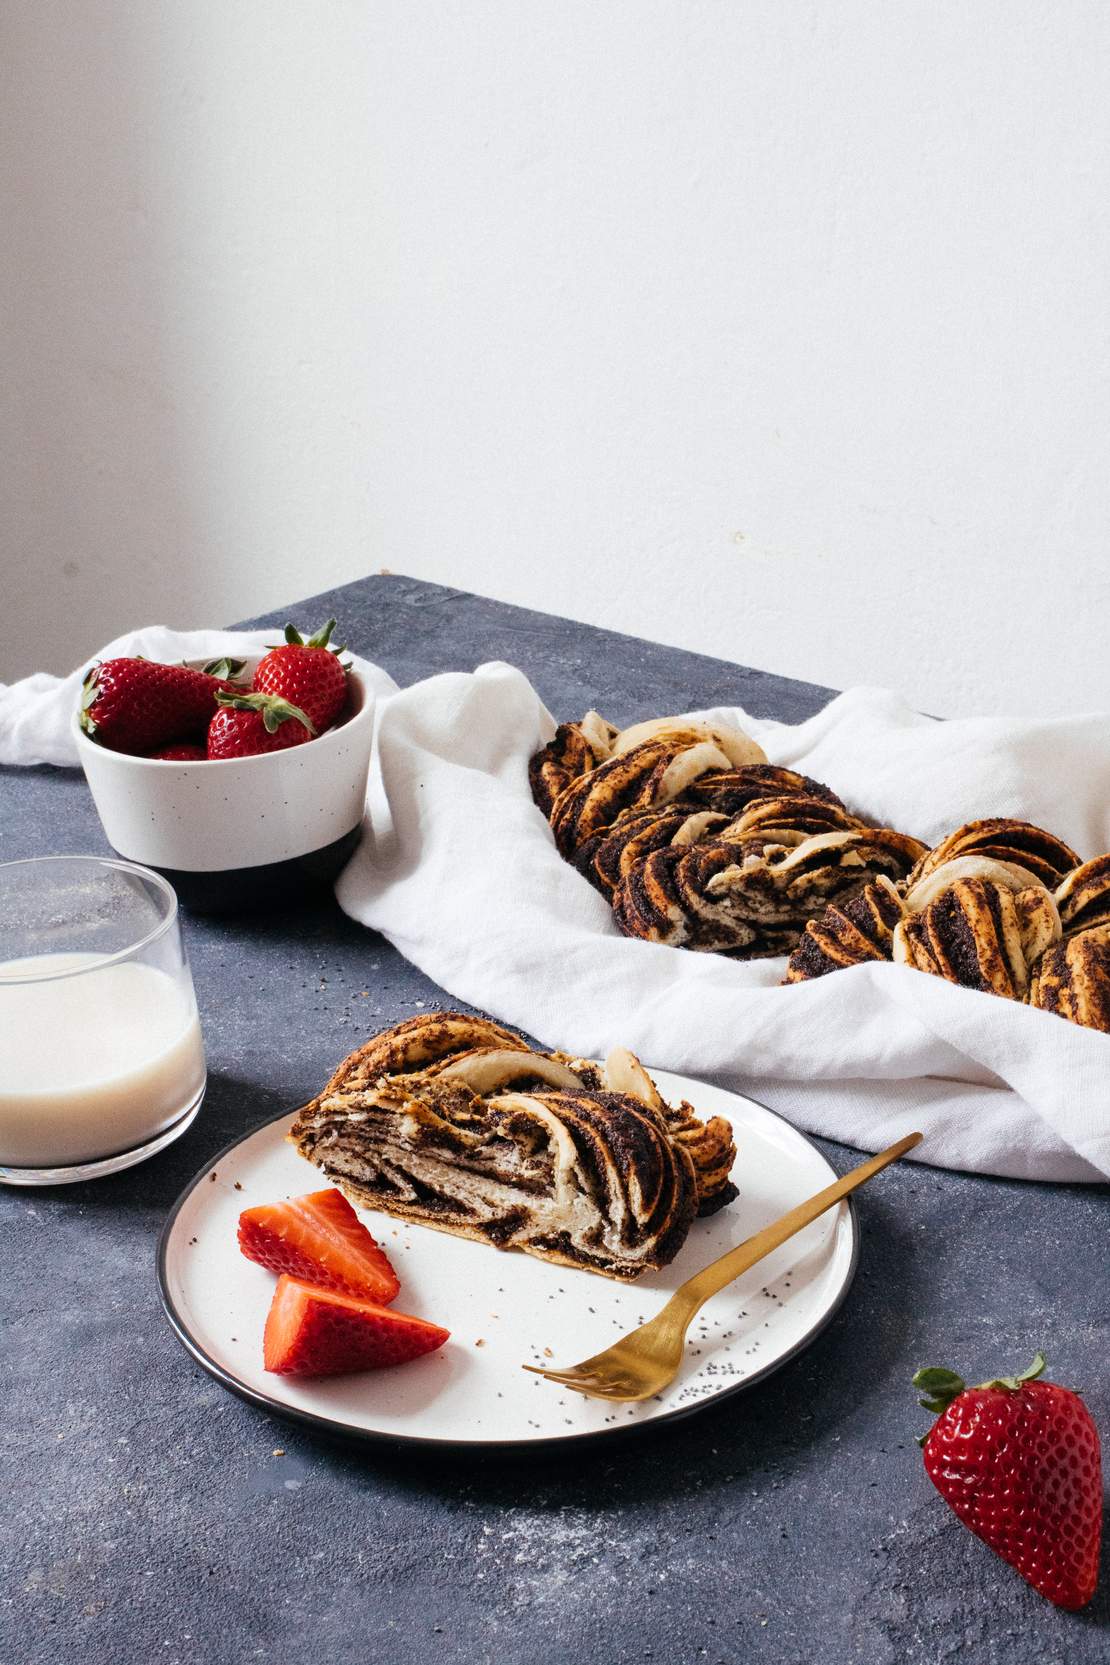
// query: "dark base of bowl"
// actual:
[[249, 889]]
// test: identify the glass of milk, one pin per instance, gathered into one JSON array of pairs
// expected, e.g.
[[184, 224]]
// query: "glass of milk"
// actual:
[[101, 1059]]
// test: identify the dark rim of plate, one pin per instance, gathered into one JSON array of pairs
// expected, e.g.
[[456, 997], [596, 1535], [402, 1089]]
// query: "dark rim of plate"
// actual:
[[335, 1427]]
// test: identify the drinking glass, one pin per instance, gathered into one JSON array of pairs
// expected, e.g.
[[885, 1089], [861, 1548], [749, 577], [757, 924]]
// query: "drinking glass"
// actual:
[[101, 1057]]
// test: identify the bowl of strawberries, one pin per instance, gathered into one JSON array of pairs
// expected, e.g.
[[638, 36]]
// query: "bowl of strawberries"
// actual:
[[242, 781]]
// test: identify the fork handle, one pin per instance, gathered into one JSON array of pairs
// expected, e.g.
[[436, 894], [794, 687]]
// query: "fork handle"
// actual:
[[714, 1277]]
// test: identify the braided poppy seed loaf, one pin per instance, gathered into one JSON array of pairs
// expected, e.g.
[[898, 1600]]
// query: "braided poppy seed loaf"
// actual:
[[456, 1123], [1018, 843], [999, 905], [753, 896], [697, 841]]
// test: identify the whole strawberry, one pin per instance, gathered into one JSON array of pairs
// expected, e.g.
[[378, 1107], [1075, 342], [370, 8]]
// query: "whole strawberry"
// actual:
[[246, 725], [137, 705], [1018, 1461], [309, 674]]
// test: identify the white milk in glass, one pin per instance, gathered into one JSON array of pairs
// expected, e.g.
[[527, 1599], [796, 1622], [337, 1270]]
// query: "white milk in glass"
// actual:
[[95, 1064]]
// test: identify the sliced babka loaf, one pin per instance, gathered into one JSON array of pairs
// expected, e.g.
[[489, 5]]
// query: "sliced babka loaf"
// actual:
[[455, 1123]]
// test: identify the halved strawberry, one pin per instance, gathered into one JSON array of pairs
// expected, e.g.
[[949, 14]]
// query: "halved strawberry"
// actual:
[[317, 1332], [319, 1238]]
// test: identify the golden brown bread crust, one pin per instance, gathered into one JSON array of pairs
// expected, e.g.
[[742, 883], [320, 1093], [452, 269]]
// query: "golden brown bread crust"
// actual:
[[1083, 896], [652, 774], [416, 1042], [1072, 979], [731, 791], [1001, 838], [790, 819], [608, 855], [980, 934], [575, 749]]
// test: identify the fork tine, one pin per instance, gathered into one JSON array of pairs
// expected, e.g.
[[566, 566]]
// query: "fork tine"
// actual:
[[591, 1384], [579, 1380], [569, 1377], [588, 1390]]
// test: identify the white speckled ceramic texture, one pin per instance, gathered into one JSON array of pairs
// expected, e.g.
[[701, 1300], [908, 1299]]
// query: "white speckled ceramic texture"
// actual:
[[506, 1309], [238, 812]]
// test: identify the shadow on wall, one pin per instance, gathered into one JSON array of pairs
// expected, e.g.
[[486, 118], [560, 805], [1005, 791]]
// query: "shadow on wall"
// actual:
[[90, 431]]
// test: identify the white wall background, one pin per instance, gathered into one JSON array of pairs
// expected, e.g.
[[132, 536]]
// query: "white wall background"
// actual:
[[774, 330]]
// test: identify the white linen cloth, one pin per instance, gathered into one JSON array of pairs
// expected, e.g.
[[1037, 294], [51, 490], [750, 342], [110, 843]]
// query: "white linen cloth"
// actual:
[[458, 869]]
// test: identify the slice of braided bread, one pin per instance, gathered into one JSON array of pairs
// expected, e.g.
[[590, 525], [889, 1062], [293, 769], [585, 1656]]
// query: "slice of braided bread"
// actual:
[[456, 1123]]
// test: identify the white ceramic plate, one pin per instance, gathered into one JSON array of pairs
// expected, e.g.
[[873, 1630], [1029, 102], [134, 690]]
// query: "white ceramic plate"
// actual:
[[505, 1309]]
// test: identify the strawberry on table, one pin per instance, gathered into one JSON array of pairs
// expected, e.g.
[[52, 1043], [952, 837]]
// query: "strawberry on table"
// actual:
[[321, 1239], [312, 1331], [246, 725], [307, 673], [136, 705], [1018, 1461]]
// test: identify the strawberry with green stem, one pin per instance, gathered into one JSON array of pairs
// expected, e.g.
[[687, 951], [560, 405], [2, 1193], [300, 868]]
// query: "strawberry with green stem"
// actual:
[[247, 725], [139, 706], [1017, 1459], [309, 674]]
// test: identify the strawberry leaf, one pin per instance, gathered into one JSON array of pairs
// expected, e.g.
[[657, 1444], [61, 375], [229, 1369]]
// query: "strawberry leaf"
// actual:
[[931, 1380], [225, 668], [89, 695], [1029, 1374], [321, 639], [939, 1386], [274, 710]]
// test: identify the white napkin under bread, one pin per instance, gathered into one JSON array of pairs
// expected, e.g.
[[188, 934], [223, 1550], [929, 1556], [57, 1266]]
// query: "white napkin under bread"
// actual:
[[461, 873]]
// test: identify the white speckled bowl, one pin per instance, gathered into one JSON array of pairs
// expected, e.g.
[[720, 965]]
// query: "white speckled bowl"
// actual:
[[238, 832]]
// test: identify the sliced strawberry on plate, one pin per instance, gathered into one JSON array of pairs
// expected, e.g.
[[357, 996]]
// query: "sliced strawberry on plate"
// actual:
[[318, 1332], [319, 1238]]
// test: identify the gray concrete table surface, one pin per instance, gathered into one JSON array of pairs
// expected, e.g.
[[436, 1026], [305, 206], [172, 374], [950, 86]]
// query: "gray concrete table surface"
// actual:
[[151, 1518]]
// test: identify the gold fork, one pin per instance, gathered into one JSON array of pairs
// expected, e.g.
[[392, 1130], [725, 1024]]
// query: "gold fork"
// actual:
[[645, 1361]]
